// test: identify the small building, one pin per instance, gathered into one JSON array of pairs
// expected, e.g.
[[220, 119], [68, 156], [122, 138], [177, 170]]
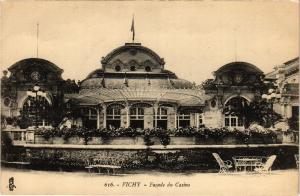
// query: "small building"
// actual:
[[33, 89], [286, 78], [17, 88]]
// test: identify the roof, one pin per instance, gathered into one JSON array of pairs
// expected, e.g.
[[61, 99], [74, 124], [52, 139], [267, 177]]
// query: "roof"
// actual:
[[182, 97], [239, 66], [128, 46], [36, 61], [291, 61], [144, 82]]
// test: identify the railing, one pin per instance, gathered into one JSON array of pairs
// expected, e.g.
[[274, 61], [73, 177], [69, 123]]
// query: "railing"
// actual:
[[18, 136]]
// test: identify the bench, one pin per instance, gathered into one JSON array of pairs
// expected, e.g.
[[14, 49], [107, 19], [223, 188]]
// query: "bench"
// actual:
[[16, 162], [19, 164], [108, 168], [100, 164], [244, 162]]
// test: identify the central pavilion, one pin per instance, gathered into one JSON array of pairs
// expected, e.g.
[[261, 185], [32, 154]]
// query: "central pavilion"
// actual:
[[132, 89]]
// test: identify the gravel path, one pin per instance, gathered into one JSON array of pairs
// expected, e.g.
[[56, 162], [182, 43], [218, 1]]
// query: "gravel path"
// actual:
[[281, 183]]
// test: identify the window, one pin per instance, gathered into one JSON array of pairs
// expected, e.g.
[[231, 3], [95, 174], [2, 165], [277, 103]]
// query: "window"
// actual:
[[233, 121], [136, 113], [37, 109], [162, 114], [148, 68], [234, 105], [90, 113], [137, 118], [161, 118], [113, 113], [184, 116], [184, 120], [213, 103], [118, 68], [89, 117], [132, 68], [113, 116]]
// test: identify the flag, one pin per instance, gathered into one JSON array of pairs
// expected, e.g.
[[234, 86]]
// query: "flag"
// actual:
[[132, 29]]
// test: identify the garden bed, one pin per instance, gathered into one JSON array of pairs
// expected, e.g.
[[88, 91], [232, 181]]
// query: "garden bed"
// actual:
[[189, 136]]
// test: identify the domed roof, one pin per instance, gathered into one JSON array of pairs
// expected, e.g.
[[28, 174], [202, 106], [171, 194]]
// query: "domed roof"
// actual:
[[133, 66], [132, 57], [136, 83], [240, 66], [37, 62], [133, 49]]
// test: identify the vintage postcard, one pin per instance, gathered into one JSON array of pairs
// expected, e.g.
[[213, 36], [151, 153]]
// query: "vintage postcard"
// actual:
[[150, 97]]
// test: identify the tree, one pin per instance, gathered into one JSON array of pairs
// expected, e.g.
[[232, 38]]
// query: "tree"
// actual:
[[259, 111]]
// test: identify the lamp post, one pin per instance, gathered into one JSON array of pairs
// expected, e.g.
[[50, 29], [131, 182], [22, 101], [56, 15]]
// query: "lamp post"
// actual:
[[270, 98], [36, 89]]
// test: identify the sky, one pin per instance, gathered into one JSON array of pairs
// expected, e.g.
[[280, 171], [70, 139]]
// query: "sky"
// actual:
[[195, 38]]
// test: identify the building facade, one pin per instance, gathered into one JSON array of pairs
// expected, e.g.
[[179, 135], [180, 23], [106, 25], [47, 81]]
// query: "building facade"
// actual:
[[286, 78], [133, 89]]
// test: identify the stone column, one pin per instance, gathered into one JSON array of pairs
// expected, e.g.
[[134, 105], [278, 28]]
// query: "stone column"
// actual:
[[148, 118], [283, 113], [127, 115], [197, 120], [155, 115], [175, 115], [192, 119], [104, 115], [23, 136], [288, 110], [98, 117]]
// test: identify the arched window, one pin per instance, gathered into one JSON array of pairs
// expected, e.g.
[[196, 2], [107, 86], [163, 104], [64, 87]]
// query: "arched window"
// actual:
[[137, 117], [89, 115], [37, 110], [161, 118], [113, 116], [234, 112], [184, 119], [162, 114], [136, 113]]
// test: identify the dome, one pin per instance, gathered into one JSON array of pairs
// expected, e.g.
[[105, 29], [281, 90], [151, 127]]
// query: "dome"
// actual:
[[132, 57], [134, 66], [22, 64], [239, 66], [238, 74]]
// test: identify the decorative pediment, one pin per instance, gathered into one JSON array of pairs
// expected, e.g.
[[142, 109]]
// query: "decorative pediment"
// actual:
[[135, 50], [238, 74]]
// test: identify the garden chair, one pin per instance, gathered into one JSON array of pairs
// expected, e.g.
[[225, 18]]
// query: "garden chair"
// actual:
[[297, 160], [265, 167], [224, 165]]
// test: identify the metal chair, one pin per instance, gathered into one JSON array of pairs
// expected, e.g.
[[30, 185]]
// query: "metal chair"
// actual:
[[224, 165], [265, 167], [297, 160]]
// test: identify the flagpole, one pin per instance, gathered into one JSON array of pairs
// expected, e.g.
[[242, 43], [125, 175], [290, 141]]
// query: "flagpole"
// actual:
[[132, 29], [37, 40]]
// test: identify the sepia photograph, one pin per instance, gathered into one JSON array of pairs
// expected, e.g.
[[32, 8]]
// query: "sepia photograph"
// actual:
[[150, 97]]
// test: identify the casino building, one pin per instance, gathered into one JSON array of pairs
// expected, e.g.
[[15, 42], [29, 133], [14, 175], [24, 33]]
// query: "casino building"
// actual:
[[131, 89]]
